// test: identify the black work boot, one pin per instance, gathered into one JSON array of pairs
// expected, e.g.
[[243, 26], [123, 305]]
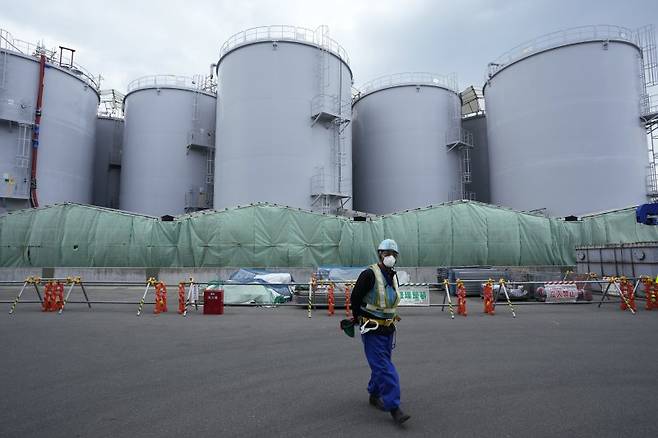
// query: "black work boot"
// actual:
[[398, 416], [376, 402]]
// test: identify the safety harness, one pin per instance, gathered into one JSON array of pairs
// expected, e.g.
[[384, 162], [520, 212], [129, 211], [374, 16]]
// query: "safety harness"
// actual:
[[378, 302]]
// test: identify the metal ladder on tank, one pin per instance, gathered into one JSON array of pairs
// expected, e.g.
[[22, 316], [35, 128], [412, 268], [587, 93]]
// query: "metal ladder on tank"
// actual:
[[328, 196], [3, 69], [22, 160], [323, 64], [465, 165], [465, 173], [202, 82], [652, 168], [210, 176], [195, 108], [193, 200], [461, 140], [646, 40], [321, 201]]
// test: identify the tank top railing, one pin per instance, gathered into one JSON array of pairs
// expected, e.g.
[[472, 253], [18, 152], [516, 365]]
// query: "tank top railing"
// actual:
[[172, 81], [561, 38], [8, 42], [284, 33], [410, 78]]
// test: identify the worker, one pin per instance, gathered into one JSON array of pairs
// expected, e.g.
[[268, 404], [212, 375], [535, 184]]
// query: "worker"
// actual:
[[374, 303]]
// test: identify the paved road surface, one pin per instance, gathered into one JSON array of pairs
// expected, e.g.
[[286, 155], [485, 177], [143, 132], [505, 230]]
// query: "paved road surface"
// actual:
[[554, 371]]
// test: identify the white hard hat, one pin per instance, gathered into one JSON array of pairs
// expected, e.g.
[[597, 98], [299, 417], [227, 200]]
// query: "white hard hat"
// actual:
[[388, 245]]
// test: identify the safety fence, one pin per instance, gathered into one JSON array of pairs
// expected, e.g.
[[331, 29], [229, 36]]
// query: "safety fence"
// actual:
[[318, 294]]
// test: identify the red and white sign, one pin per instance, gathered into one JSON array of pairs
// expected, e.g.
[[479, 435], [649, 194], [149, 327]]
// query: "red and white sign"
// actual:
[[561, 292]]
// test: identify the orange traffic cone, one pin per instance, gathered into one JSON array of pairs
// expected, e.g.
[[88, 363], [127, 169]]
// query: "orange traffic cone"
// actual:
[[348, 312], [45, 306], [330, 299], [628, 297], [160, 298], [488, 297], [650, 293], [181, 298], [59, 296], [461, 298]]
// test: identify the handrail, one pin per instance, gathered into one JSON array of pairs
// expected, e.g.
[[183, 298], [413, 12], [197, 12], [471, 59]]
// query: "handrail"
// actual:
[[560, 38], [650, 105], [203, 84], [281, 32], [8, 42], [410, 78], [458, 135]]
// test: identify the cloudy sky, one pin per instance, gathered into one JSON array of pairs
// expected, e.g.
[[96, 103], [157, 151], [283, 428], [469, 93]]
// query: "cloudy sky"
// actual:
[[124, 40]]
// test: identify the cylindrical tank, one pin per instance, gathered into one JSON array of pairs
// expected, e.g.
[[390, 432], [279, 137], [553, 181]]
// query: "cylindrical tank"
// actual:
[[563, 123], [168, 145], [66, 132], [107, 164], [404, 155], [283, 120]]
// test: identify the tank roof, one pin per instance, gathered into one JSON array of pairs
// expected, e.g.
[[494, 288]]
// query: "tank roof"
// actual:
[[448, 82], [575, 35], [202, 84], [35, 50], [281, 32]]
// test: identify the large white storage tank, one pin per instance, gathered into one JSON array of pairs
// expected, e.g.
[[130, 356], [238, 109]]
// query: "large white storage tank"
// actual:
[[66, 131], [406, 151], [168, 145], [563, 123], [283, 120]]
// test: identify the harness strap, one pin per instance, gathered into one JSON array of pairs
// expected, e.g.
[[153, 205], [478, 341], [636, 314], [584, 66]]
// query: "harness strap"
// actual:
[[382, 322], [380, 309]]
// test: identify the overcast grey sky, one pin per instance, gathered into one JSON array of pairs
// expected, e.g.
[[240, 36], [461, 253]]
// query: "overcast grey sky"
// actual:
[[123, 40]]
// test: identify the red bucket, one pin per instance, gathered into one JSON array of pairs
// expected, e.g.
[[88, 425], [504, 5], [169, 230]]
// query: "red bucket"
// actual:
[[213, 302]]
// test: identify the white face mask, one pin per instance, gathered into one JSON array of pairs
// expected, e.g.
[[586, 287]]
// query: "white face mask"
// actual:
[[389, 261]]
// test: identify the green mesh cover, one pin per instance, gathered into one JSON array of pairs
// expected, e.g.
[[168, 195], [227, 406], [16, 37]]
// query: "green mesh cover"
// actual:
[[265, 235]]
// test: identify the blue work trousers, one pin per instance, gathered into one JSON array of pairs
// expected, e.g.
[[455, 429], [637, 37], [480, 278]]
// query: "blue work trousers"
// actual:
[[384, 380]]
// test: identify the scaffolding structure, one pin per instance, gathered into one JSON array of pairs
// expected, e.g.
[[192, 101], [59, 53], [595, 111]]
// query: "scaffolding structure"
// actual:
[[200, 198], [15, 179], [461, 141], [111, 104], [334, 112], [646, 40]]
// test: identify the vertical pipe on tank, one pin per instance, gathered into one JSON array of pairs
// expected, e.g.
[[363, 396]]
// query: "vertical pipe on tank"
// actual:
[[35, 133]]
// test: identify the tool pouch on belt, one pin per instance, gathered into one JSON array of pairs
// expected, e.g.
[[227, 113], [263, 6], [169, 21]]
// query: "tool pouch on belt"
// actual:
[[347, 325]]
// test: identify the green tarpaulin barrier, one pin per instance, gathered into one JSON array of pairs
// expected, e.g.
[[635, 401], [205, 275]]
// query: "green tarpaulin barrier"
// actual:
[[264, 235]]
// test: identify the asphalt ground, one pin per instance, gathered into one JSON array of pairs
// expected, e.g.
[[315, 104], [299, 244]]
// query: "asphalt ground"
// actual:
[[554, 370]]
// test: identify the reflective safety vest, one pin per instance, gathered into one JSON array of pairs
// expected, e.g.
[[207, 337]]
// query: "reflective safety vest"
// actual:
[[382, 300]]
